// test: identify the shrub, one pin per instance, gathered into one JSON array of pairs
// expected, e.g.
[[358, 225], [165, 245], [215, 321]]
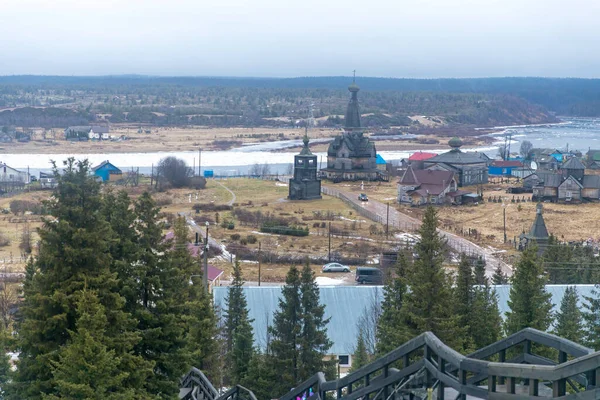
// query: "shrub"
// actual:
[[243, 242], [163, 200], [210, 207], [235, 236], [284, 230], [231, 226], [4, 240], [173, 172], [22, 206], [251, 239]]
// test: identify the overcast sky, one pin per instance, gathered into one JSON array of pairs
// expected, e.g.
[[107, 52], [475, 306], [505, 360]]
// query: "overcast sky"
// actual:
[[286, 38]]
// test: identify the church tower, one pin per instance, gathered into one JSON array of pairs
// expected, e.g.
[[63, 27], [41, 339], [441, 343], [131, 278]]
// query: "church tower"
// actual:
[[305, 185]]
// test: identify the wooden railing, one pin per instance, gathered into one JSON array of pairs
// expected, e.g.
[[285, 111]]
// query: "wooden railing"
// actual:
[[426, 364]]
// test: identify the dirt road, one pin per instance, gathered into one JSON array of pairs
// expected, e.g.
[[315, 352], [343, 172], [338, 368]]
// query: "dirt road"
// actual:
[[378, 212]]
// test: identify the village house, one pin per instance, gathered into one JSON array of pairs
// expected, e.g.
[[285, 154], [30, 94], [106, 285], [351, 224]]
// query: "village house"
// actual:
[[87, 132], [471, 168], [107, 172], [9, 174], [426, 186], [504, 168], [592, 159], [417, 159]]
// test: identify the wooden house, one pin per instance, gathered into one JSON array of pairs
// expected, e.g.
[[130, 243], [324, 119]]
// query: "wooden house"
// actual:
[[591, 187], [107, 172], [426, 186], [570, 190], [544, 184]]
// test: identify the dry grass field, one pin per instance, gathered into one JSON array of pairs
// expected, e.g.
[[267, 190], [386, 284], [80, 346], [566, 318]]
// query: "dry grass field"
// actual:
[[192, 138]]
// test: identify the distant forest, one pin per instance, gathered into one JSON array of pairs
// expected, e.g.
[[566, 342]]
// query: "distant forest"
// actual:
[[51, 101]]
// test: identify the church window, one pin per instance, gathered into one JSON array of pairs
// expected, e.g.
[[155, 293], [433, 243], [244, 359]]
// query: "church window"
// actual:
[[311, 162]]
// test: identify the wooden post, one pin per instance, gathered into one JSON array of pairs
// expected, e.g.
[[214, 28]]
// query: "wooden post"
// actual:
[[259, 256]]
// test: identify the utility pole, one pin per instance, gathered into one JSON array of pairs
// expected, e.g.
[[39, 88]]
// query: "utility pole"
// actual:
[[329, 234], [152, 177], [387, 221], [194, 165], [504, 213], [199, 162], [205, 274], [259, 256]]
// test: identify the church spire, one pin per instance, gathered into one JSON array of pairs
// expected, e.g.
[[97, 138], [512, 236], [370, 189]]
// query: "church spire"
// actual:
[[353, 112]]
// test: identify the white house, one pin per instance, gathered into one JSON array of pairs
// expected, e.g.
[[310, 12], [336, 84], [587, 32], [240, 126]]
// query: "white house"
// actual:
[[9, 174]]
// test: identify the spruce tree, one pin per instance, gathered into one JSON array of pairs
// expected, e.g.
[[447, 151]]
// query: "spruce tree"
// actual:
[[530, 305], [314, 343], [485, 322], [74, 254], [299, 334], [261, 376], [499, 277], [86, 368], [464, 298], [238, 331], [592, 318], [569, 319], [479, 271], [361, 357], [391, 331], [285, 334], [428, 303]]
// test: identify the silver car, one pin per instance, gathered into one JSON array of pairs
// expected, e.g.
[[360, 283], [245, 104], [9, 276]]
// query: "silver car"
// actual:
[[335, 267]]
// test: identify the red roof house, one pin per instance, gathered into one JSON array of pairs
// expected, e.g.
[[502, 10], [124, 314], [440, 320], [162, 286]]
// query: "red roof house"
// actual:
[[421, 156]]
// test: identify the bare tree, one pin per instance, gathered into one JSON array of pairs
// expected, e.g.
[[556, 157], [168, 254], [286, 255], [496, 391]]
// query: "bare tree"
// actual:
[[173, 172], [503, 151], [26, 246], [255, 170], [526, 149], [265, 169], [290, 169], [369, 320]]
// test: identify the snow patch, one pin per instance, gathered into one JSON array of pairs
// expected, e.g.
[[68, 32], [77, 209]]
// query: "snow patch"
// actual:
[[326, 281]]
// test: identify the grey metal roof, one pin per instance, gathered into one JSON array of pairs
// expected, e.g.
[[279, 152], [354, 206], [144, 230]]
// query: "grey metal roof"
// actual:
[[591, 181], [457, 157], [343, 304], [573, 163], [550, 179], [346, 304]]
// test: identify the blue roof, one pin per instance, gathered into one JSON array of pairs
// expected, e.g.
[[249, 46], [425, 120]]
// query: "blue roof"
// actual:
[[380, 160], [345, 305]]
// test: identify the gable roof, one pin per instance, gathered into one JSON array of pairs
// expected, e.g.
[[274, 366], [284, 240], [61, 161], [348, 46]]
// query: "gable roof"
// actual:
[[573, 163], [570, 178], [379, 160], [421, 156], [456, 156], [103, 164], [409, 177], [549, 179], [428, 181]]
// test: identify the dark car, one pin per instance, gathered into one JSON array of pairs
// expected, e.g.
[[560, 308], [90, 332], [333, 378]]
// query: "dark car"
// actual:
[[369, 275], [363, 197]]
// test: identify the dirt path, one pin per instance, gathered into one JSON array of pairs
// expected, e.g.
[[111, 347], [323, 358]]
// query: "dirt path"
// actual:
[[378, 212], [229, 203]]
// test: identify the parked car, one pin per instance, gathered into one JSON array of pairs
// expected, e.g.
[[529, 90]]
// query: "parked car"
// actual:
[[363, 197], [33, 178], [369, 275], [335, 267]]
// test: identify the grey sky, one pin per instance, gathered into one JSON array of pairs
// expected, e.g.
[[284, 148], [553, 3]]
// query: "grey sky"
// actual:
[[390, 38]]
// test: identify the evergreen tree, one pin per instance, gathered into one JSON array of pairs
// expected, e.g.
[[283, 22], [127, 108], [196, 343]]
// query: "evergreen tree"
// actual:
[[238, 331], [499, 277], [361, 357], [569, 319], [299, 334], [261, 376], [86, 368], [74, 254], [559, 255], [480, 278], [464, 298], [391, 331], [485, 323], [314, 342], [428, 304], [529, 303], [592, 318], [285, 334]]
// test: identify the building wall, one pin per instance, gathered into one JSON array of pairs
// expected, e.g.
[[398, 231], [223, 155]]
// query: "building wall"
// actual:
[[569, 188], [590, 193]]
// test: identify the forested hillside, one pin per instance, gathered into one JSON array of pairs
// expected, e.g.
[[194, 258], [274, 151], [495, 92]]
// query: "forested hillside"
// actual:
[[279, 102]]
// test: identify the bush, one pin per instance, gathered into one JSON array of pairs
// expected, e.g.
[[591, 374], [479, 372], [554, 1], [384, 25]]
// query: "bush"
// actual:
[[235, 236], [251, 239], [284, 230], [243, 242], [173, 172], [4, 240], [210, 207], [163, 200], [22, 206], [231, 226]]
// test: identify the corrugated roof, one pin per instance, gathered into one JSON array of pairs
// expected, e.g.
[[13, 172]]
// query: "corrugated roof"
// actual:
[[421, 156], [591, 181], [504, 164], [345, 305], [457, 157]]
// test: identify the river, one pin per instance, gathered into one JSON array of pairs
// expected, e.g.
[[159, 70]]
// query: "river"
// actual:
[[574, 133]]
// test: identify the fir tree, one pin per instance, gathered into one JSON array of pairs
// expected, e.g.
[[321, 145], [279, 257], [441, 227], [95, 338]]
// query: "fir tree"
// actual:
[[238, 331], [391, 331], [592, 318], [529, 303], [480, 278], [464, 298], [285, 334], [499, 277], [485, 322], [569, 319], [428, 303], [74, 253], [314, 342], [361, 357], [86, 368], [299, 334], [261, 376]]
